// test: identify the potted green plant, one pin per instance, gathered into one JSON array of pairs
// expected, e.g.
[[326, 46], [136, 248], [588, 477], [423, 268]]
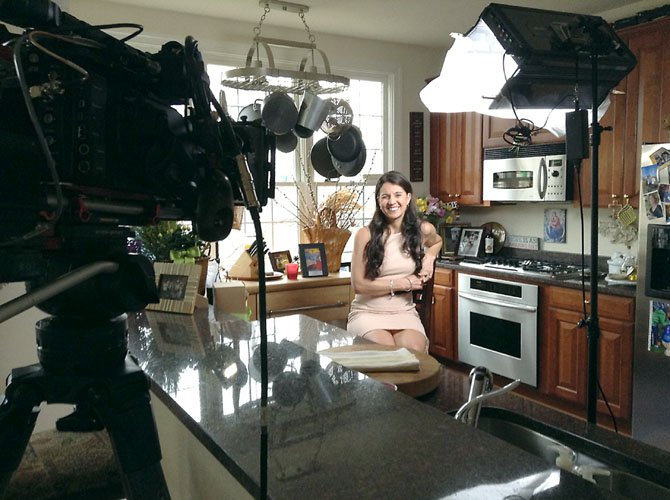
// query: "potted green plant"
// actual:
[[172, 241]]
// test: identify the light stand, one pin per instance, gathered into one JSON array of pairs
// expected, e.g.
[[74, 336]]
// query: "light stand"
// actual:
[[592, 324]]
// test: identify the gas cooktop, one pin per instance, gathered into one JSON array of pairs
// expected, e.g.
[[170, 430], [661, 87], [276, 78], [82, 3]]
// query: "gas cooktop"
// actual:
[[528, 267]]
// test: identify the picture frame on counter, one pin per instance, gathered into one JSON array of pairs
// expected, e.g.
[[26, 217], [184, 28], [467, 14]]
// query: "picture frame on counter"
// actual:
[[278, 260], [470, 242], [177, 287], [451, 237], [313, 259]]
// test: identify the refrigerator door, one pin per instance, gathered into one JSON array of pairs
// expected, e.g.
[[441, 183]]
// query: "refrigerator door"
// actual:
[[651, 367]]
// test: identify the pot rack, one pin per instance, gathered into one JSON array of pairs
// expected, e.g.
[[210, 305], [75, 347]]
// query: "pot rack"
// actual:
[[256, 75]]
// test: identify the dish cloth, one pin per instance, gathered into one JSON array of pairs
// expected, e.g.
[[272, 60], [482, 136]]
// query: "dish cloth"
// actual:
[[400, 360]]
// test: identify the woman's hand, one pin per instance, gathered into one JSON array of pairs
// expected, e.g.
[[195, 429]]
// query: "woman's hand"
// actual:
[[413, 282], [427, 266]]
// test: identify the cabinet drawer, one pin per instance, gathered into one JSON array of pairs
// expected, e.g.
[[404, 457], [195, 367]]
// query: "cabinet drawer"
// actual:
[[609, 306], [444, 277], [325, 303]]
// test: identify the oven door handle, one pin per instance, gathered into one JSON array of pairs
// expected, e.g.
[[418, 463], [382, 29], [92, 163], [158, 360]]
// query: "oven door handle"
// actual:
[[476, 298]]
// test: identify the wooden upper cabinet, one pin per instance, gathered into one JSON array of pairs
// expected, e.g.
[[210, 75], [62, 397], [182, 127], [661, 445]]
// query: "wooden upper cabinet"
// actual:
[[639, 113], [456, 157], [649, 86], [495, 128]]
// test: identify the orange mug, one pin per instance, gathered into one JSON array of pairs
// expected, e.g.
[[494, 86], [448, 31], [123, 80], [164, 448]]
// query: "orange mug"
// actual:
[[292, 270]]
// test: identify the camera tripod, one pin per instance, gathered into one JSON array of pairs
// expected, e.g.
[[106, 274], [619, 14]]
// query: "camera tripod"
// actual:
[[84, 361]]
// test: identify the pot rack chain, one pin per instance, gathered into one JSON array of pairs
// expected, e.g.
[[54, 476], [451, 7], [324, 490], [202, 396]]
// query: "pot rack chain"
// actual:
[[256, 76]]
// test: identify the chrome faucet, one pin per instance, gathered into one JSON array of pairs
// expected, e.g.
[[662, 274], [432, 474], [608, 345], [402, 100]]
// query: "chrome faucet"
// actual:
[[481, 383]]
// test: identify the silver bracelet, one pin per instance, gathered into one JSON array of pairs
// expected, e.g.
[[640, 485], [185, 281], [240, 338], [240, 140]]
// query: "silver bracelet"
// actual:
[[392, 291], [410, 284]]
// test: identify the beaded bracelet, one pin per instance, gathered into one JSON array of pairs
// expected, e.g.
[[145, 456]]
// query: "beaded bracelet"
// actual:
[[391, 286]]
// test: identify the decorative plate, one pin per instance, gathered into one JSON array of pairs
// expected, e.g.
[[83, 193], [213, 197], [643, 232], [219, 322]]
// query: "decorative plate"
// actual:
[[499, 234]]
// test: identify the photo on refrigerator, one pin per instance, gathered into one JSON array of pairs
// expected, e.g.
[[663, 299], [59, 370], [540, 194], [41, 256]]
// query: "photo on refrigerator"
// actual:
[[659, 330]]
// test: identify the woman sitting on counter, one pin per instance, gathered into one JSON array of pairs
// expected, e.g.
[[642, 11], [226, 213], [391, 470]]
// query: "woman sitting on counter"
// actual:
[[393, 256]]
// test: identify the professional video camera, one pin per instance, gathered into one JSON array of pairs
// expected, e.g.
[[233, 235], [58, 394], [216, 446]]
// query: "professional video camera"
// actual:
[[96, 135]]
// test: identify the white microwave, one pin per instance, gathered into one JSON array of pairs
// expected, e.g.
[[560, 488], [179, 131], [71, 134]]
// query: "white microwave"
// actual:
[[531, 173]]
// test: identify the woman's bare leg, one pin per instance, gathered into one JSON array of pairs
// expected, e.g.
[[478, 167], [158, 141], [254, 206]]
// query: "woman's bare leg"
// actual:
[[411, 339], [380, 337]]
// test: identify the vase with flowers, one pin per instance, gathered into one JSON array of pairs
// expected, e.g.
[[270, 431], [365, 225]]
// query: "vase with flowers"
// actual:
[[436, 211]]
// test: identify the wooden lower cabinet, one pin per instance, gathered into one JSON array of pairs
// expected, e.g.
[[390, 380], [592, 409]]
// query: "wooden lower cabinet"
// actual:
[[563, 349], [443, 328], [324, 298]]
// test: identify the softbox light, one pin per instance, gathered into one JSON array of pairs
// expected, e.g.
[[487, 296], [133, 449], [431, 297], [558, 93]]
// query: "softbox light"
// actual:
[[533, 60], [553, 52]]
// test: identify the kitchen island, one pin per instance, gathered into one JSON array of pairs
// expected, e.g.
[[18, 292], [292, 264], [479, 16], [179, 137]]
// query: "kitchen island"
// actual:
[[331, 432]]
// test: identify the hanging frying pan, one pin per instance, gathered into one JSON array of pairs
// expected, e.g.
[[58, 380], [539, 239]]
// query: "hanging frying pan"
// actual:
[[351, 168], [286, 142], [347, 146], [279, 113], [322, 161]]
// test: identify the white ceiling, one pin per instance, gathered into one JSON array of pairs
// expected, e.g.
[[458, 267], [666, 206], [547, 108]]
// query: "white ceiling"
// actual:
[[418, 22]]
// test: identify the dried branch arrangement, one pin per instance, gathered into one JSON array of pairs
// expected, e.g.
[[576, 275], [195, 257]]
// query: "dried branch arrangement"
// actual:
[[338, 210]]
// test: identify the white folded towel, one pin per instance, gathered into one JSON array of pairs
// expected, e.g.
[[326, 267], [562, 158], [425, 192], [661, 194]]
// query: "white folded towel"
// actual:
[[400, 360]]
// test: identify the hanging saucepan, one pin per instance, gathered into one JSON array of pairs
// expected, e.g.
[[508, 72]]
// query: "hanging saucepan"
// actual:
[[339, 117], [322, 161], [352, 168], [286, 142], [279, 113], [313, 112], [251, 112], [347, 146]]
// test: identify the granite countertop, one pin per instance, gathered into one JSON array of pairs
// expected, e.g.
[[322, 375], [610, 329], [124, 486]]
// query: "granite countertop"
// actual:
[[333, 432]]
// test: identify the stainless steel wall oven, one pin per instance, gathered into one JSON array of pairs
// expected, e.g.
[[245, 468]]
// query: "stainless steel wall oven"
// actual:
[[497, 326]]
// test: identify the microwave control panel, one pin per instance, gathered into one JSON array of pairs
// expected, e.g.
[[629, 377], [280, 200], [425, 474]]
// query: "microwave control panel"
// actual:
[[556, 179]]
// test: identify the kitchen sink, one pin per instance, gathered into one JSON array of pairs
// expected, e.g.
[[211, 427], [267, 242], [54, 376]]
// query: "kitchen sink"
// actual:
[[544, 441]]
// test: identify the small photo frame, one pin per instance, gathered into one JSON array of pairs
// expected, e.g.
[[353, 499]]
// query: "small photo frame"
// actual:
[[451, 236], [313, 259], [470, 241], [554, 225], [177, 287], [278, 260]]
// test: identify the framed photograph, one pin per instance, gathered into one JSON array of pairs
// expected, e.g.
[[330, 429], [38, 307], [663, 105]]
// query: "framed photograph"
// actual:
[[451, 236], [313, 259], [469, 243], [554, 225], [177, 287], [278, 260]]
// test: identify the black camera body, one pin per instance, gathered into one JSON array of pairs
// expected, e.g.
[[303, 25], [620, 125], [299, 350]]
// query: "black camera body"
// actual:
[[132, 137]]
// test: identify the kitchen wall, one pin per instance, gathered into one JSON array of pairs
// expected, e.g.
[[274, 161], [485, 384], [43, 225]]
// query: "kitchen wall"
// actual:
[[527, 219]]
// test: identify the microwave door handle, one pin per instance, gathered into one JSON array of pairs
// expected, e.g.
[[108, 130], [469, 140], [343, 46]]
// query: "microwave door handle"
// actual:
[[543, 179]]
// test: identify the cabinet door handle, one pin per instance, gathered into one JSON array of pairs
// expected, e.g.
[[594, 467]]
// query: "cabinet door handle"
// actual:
[[299, 309]]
